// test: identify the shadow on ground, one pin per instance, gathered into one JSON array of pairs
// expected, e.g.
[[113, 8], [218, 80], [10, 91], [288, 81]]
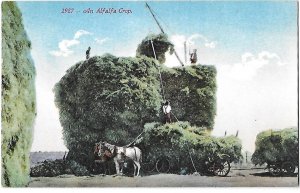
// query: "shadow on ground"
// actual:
[[268, 174]]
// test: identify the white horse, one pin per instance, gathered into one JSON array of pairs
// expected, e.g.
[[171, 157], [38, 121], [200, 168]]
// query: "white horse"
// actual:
[[119, 154]]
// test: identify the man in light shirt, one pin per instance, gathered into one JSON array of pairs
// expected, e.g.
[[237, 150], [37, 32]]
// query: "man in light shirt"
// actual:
[[167, 112]]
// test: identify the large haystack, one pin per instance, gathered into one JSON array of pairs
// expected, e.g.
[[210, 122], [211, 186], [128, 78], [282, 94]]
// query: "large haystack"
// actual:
[[276, 146], [112, 98], [107, 98], [18, 98]]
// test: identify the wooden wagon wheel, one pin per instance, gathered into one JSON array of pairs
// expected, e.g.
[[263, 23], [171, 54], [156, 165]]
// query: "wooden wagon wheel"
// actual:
[[288, 167], [275, 169], [221, 168], [163, 165], [148, 165]]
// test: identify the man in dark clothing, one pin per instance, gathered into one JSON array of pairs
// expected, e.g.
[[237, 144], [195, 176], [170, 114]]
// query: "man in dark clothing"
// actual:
[[194, 56], [88, 53]]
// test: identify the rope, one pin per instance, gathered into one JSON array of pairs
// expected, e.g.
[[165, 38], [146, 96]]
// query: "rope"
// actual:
[[160, 77], [192, 162], [135, 139], [174, 116], [161, 29], [191, 158]]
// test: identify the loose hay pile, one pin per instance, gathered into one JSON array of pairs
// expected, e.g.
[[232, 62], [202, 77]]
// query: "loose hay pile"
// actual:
[[161, 45], [177, 140], [17, 97], [276, 146]]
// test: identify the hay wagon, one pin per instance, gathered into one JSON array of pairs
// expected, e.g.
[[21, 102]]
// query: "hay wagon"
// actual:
[[279, 149], [214, 165], [285, 167], [183, 149]]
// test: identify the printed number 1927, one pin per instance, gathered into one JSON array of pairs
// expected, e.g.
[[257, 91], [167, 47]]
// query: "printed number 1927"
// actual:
[[67, 10]]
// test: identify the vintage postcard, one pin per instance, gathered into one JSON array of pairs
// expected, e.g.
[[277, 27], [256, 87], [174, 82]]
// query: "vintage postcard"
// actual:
[[150, 94]]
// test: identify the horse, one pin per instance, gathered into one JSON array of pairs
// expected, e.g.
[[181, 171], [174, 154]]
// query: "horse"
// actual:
[[104, 159], [119, 154]]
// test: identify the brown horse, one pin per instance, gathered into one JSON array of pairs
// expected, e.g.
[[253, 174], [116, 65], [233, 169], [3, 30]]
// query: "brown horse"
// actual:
[[104, 158]]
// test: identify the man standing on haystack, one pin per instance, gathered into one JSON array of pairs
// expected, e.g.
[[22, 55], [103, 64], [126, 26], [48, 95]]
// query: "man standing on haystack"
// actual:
[[88, 53], [167, 112], [193, 57]]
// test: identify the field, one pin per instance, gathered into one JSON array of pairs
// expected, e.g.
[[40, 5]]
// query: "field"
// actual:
[[237, 178], [37, 157], [248, 176]]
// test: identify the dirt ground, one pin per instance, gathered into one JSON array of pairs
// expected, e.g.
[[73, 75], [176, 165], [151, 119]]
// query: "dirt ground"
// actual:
[[236, 178]]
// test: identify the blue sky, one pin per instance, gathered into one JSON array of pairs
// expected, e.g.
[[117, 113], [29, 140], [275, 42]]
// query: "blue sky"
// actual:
[[252, 44], [228, 22]]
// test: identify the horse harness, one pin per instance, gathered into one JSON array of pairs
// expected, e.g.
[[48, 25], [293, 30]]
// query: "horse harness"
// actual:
[[115, 150]]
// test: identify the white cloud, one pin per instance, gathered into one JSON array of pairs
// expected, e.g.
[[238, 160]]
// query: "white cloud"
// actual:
[[64, 48], [250, 64], [270, 57], [256, 93], [80, 33], [101, 41], [194, 37], [210, 44], [194, 41], [178, 40], [65, 45]]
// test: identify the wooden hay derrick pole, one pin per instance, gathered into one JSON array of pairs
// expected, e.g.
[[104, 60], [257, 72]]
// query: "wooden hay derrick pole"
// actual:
[[162, 30]]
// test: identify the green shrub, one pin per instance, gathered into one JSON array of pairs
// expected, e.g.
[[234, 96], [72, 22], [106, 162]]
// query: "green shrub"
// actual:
[[276, 146], [58, 167], [17, 97]]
